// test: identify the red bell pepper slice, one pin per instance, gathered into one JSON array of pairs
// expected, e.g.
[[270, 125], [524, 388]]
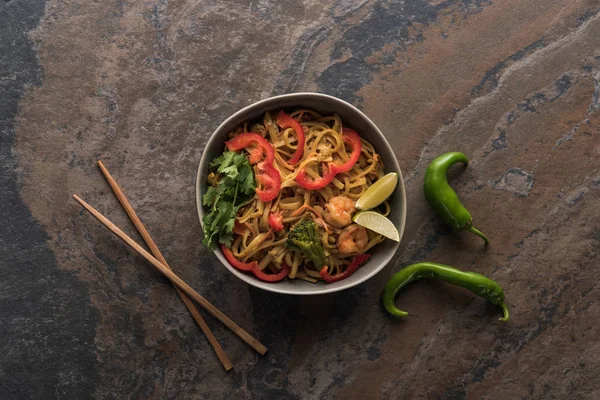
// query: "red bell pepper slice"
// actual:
[[245, 140], [269, 176], [302, 178], [285, 270], [353, 139], [255, 155], [285, 121], [356, 262], [242, 266], [276, 221], [253, 266], [270, 179], [350, 137]]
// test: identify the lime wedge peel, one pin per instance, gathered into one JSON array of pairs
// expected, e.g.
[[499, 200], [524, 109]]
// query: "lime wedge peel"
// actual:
[[378, 192], [377, 223]]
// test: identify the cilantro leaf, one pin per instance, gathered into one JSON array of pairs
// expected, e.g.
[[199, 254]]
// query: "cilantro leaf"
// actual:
[[236, 186], [210, 196], [246, 180]]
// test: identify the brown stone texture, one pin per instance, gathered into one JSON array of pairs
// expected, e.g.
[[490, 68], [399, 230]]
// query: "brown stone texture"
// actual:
[[141, 84]]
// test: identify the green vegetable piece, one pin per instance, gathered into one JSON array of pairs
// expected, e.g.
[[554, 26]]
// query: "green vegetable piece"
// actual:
[[476, 283], [236, 186], [443, 199], [305, 238]]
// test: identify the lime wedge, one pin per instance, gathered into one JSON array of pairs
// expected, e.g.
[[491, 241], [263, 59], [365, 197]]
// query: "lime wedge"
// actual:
[[378, 192], [377, 223]]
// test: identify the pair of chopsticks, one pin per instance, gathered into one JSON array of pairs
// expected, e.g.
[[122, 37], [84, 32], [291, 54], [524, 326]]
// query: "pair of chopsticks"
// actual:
[[186, 293]]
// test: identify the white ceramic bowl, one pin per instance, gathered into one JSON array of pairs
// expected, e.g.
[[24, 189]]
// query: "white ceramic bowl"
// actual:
[[351, 117]]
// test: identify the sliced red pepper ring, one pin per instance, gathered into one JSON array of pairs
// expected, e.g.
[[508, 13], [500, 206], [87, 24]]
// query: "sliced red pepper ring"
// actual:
[[353, 139], [255, 155], [285, 121], [253, 266], [276, 221], [302, 178], [269, 176], [350, 137], [357, 261], [242, 266], [247, 139], [270, 179], [285, 270]]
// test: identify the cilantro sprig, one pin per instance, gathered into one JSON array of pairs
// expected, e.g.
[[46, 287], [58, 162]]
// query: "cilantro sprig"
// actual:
[[236, 186]]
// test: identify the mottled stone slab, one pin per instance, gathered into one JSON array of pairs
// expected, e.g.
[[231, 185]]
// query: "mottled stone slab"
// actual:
[[141, 84]]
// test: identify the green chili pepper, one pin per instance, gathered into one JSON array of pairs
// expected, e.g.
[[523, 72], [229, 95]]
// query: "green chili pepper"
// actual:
[[476, 283], [443, 198]]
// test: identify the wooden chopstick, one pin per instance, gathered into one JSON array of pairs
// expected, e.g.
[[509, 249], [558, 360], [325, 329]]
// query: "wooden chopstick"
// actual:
[[156, 252], [177, 281]]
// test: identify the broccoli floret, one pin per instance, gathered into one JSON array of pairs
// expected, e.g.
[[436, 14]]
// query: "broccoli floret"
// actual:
[[305, 238]]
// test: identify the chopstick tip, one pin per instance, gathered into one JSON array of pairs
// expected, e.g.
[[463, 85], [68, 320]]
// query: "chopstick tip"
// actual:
[[79, 200]]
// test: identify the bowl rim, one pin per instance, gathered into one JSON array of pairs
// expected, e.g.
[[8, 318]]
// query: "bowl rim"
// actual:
[[274, 287]]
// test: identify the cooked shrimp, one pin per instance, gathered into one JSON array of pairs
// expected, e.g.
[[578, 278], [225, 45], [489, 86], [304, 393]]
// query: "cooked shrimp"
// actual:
[[339, 211], [353, 239]]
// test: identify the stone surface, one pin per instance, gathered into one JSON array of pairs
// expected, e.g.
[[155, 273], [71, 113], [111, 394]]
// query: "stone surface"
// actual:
[[141, 84]]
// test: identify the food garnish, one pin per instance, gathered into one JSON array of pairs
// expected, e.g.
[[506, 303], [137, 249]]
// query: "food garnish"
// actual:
[[378, 192], [235, 186], [377, 223], [330, 170], [285, 121], [356, 262], [257, 146]]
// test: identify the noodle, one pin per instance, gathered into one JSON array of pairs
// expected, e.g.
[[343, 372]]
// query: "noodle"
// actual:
[[324, 143]]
